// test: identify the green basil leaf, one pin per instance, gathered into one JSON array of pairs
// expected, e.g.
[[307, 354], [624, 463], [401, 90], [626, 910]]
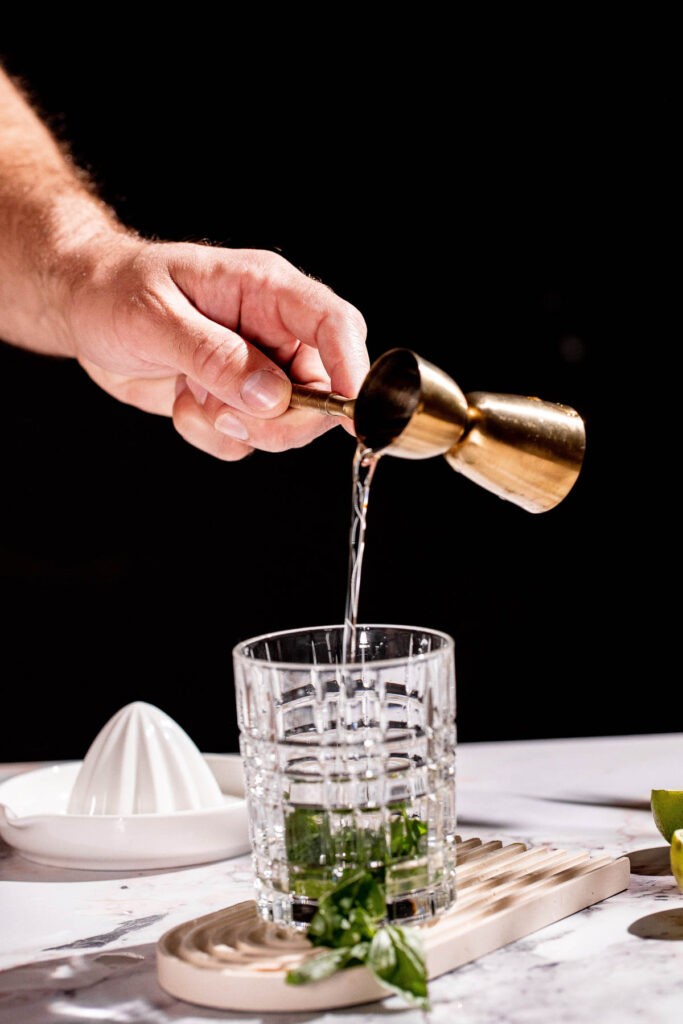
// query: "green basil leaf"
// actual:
[[319, 967], [418, 829], [360, 927], [405, 835], [350, 913], [343, 895], [322, 925], [397, 961], [327, 964], [397, 838], [358, 889], [370, 896]]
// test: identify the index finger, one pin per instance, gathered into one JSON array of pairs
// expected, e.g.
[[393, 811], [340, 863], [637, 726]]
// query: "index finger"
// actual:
[[320, 319]]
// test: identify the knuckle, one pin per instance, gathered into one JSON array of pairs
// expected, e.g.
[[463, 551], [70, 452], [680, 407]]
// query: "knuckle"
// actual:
[[356, 319], [315, 293], [264, 263], [141, 297], [214, 364], [346, 316], [273, 260], [184, 415], [148, 302]]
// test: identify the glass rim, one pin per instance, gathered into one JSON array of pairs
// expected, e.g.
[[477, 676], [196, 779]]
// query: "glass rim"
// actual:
[[238, 649]]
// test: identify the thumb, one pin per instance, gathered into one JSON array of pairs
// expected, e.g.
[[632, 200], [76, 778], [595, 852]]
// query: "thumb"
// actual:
[[232, 369]]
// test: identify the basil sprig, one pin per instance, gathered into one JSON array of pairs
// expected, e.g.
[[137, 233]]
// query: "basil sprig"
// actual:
[[348, 921]]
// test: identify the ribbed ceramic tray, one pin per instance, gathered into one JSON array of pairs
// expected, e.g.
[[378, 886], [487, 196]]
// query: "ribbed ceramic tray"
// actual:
[[233, 960]]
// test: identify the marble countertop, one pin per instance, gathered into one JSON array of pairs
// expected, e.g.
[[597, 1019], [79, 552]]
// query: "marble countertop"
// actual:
[[79, 946]]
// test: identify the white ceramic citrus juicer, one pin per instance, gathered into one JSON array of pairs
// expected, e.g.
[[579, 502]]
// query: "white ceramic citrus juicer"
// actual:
[[144, 797]]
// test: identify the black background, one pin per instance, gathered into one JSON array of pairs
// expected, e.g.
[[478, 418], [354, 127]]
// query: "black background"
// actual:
[[474, 209]]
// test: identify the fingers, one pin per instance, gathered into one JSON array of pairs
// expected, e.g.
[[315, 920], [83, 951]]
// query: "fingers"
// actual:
[[335, 328], [192, 425], [239, 404], [273, 304], [295, 428], [307, 366], [226, 366]]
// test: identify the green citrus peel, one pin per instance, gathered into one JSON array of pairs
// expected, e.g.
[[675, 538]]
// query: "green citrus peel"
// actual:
[[667, 810]]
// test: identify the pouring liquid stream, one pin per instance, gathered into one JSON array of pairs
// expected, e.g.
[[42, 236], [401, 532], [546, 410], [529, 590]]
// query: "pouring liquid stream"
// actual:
[[364, 465]]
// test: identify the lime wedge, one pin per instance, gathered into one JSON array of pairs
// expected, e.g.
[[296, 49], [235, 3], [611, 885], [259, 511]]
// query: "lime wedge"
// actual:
[[677, 856], [667, 810]]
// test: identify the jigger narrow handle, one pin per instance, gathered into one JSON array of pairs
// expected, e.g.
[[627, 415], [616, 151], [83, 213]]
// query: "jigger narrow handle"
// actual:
[[321, 401]]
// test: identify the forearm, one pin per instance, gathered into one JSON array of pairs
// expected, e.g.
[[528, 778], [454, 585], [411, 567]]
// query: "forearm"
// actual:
[[51, 227]]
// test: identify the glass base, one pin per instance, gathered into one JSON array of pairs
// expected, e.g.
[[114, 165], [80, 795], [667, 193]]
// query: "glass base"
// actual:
[[298, 911]]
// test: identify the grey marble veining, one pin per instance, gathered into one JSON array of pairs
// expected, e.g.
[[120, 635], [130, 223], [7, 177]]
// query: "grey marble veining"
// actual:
[[80, 946]]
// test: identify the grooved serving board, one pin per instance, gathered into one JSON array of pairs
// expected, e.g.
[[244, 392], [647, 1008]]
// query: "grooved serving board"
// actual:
[[233, 960]]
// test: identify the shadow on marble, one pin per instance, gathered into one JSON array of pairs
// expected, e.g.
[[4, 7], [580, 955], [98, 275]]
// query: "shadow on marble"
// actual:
[[666, 925], [66, 974], [115, 986], [597, 800], [15, 868], [655, 860], [466, 821]]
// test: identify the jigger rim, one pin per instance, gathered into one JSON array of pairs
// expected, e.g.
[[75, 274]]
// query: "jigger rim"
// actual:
[[448, 646], [409, 407], [405, 401]]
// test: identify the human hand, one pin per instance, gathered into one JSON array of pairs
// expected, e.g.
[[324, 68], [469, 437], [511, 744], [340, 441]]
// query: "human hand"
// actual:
[[212, 338]]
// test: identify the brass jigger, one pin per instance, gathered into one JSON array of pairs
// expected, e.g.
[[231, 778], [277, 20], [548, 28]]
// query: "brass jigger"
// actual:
[[524, 450]]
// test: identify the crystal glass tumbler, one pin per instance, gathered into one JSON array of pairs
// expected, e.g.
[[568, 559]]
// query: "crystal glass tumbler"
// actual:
[[349, 766]]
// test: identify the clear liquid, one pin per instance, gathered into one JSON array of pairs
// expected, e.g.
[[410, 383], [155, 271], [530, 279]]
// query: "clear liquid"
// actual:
[[364, 465]]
